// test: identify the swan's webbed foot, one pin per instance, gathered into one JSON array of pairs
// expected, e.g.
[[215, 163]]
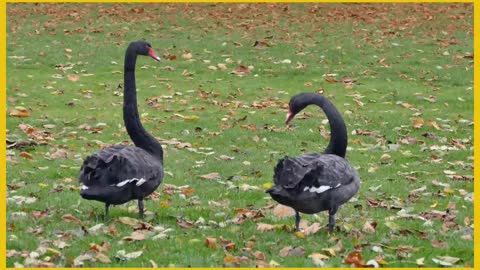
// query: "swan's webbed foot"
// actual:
[[140, 208], [297, 221]]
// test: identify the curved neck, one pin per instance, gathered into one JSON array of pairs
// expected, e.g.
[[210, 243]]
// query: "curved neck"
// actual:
[[140, 137], [338, 130]]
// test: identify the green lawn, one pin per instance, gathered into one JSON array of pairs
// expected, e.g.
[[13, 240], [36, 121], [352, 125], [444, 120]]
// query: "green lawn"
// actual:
[[408, 109]]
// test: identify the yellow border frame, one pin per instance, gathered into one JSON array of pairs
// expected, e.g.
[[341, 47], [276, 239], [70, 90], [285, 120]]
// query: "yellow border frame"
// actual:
[[3, 87]]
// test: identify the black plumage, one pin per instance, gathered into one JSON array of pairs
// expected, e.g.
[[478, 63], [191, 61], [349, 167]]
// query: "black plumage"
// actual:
[[315, 182], [118, 174]]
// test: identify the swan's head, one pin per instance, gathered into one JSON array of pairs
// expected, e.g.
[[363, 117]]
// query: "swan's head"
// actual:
[[297, 104], [144, 48]]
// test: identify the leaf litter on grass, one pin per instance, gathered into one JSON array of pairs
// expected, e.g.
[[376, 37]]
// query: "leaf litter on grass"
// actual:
[[412, 132]]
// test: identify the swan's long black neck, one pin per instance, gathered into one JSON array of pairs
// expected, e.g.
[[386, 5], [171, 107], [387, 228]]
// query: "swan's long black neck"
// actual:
[[338, 131], [135, 129]]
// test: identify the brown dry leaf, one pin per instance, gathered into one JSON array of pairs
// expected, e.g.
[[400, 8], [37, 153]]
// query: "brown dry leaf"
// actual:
[[263, 227], [128, 221], [333, 250], [283, 211], [187, 191], [211, 176], [225, 157], [20, 112], [102, 258], [185, 224], [230, 259], [368, 228], [259, 255], [183, 145], [240, 71], [227, 244], [318, 258], [434, 124], [315, 227], [60, 153], [103, 247], [26, 155], [330, 79], [73, 77], [260, 44], [70, 218], [417, 123], [187, 55], [438, 244], [289, 251], [135, 236], [211, 242], [354, 258]]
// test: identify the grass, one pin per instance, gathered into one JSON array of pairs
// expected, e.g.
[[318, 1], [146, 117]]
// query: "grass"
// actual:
[[409, 62]]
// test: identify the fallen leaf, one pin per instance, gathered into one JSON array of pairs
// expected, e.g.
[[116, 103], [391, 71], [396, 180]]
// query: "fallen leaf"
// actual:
[[211, 242], [128, 221], [230, 259], [318, 258], [263, 227], [211, 176], [102, 258], [73, 77], [135, 236], [333, 250], [19, 113], [240, 71], [283, 211], [26, 155], [124, 256], [289, 251], [445, 260], [420, 261], [259, 255], [417, 123], [368, 228], [315, 227], [354, 258], [227, 244], [70, 218]]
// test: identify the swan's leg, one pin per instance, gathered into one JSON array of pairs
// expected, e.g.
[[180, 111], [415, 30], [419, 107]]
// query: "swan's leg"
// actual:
[[331, 222], [297, 221], [331, 219], [107, 205], [140, 208]]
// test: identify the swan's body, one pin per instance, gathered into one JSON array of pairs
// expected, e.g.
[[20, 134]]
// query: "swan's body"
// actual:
[[118, 174], [312, 183]]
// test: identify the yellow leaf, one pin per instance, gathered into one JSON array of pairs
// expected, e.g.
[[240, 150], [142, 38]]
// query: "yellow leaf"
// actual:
[[191, 118], [417, 123], [300, 235], [435, 203], [164, 204], [267, 185], [42, 185]]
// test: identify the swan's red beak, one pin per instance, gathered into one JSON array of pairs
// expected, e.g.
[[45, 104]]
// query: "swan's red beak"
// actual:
[[290, 116], [153, 55]]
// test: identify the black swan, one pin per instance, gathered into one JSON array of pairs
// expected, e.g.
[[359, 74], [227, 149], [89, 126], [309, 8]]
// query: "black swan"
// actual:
[[315, 182], [118, 174]]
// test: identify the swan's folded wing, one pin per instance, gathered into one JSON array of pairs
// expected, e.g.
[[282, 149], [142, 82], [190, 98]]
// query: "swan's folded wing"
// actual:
[[289, 172], [313, 172], [119, 165], [329, 173]]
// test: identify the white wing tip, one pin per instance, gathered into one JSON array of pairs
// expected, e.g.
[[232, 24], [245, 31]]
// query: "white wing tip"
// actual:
[[124, 182], [83, 187]]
